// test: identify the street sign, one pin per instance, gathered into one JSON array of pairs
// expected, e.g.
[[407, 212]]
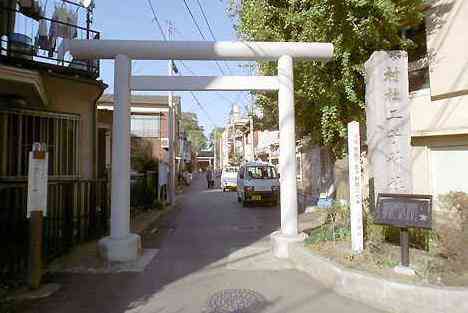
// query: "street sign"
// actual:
[[404, 210], [37, 180]]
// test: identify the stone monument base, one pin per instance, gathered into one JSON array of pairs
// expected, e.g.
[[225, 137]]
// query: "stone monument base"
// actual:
[[120, 250], [281, 243]]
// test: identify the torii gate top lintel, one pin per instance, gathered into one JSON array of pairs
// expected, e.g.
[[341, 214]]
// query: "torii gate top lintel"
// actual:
[[198, 50]]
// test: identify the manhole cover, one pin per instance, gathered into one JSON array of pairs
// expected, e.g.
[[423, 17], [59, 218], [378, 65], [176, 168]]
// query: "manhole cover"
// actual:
[[236, 301]]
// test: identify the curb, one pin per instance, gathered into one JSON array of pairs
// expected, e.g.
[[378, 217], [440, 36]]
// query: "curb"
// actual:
[[376, 292]]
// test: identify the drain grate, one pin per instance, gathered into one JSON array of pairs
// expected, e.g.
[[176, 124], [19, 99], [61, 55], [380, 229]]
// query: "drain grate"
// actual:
[[236, 301]]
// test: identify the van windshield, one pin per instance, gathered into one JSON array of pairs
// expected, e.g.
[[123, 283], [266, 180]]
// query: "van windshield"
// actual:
[[261, 172], [230, 170]]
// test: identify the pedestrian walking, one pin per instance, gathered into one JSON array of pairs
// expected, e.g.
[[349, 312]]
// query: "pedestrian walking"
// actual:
[[209, 177]]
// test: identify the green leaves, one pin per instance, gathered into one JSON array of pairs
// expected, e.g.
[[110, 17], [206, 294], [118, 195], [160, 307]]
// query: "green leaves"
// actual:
[[330, 95], [189, 123]]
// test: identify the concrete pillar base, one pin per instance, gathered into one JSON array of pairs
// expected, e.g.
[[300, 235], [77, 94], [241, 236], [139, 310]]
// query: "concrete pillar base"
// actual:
[[120, 250], [281, 242]]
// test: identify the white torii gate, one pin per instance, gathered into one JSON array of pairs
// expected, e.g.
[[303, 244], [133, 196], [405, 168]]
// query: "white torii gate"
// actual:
[[121, 245]]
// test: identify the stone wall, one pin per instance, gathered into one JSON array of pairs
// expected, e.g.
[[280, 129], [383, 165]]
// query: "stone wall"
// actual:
[[321, 174]]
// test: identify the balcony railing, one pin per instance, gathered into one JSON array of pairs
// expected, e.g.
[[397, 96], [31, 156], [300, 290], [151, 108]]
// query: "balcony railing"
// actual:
[[27, 49]]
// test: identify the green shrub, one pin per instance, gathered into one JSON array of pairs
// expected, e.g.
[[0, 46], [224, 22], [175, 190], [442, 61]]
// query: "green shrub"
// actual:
[[328, 233], [451, 226]]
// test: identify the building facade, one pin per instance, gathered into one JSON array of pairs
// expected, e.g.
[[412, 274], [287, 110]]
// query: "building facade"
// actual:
[[149, 120], [439, 112], [48, 97]]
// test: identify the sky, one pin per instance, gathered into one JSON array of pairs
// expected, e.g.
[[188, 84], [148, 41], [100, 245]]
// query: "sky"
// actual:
[[133, 19]]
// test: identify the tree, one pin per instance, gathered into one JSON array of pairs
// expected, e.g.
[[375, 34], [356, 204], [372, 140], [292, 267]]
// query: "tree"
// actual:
[[216, 134], [142, 159], [328, 95], [195, 135]]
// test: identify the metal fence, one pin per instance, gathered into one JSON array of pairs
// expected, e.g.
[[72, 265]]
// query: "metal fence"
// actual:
[[77, 211]]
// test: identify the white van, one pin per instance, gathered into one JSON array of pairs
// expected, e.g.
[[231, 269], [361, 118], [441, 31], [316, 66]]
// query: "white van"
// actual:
[[229, 178], [258, 182]]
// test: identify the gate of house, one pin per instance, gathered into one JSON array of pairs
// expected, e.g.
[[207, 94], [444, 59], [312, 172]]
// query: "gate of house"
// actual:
[[123, 246]]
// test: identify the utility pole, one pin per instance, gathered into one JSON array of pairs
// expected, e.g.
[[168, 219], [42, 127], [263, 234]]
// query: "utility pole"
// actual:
[[214, 150], [252, 134], [171, 128], [250, 68]]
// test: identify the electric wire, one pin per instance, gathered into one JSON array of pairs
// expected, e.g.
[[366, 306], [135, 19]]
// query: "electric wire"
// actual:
[[205, 17]]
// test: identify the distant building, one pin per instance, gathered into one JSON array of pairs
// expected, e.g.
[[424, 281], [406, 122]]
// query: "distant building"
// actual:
[[205, 159], [148, 120]]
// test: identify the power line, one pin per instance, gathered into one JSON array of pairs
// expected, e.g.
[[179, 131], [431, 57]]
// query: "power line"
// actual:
[[201, 32], [211, 30], [156, 19], [203, 108], [194, 96], [194, 20], [165, 38], [220, 95]]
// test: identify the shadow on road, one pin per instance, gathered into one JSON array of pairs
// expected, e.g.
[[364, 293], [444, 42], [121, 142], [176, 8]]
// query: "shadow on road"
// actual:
[[215, 246]]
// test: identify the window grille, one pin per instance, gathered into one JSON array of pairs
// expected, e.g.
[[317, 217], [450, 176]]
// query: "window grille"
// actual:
[[19, 129]]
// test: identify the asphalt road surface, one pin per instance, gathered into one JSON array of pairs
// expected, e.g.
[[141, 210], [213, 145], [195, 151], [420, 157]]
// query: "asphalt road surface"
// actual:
[[215, 258]]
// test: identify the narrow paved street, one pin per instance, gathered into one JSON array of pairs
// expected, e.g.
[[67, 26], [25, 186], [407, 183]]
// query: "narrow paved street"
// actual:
[[215, 245]]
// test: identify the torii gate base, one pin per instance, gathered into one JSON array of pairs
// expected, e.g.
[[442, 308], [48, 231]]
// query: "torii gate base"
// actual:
[[123, 246]]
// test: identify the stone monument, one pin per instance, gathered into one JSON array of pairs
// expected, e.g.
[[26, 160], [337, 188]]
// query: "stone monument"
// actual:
[[388, 122]]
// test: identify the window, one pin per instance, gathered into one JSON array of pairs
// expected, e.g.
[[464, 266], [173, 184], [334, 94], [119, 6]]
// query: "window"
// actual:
[[418, 36], [419, 79], [261, 172], [417, 58], [146, 126], [19, 129], [231, 170]]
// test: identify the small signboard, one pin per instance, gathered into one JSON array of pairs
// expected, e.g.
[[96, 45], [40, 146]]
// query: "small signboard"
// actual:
[[37, 180], [404, 210]]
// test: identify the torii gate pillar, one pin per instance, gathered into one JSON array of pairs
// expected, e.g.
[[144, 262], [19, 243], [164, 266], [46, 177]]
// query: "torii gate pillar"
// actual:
[[121, 245], [287, 161]]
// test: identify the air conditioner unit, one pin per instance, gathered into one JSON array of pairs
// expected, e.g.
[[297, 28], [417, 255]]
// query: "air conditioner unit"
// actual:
[[165, 142]]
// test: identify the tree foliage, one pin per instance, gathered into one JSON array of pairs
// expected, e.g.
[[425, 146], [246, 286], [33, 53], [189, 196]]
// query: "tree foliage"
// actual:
[[216, 134], [142, 159], [195, 134], [328, 95]]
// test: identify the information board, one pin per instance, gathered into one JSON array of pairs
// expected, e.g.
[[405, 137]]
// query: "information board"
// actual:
[[404, 210]]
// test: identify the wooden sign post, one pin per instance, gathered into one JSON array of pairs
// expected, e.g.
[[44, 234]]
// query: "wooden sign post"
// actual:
[[37, 204], [404, 211]]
